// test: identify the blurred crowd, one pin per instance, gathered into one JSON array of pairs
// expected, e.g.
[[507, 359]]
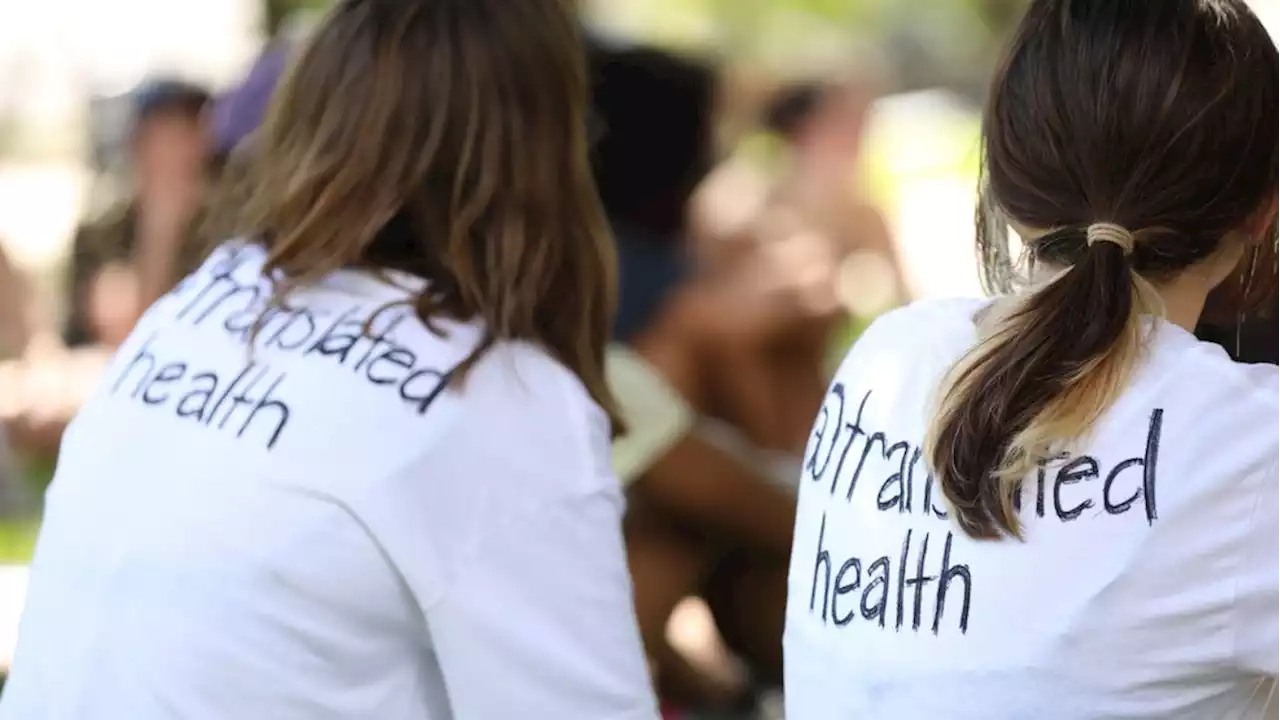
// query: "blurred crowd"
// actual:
[[738, 278]]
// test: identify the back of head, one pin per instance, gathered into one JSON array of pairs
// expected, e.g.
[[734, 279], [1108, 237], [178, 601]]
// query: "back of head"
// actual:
[[1133, 141], [793, 107], [655, 143], [168, 96], [169, 146], [463, 121]]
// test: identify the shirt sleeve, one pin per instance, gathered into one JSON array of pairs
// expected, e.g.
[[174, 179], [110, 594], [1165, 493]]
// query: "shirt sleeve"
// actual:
[[1255, 620], [657, 416], [542, 622]]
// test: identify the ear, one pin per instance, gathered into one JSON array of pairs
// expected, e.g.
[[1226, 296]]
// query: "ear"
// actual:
[[1258, 224]]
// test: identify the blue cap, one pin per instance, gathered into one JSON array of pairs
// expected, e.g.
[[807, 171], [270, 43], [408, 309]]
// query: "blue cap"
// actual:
[[161, 94]]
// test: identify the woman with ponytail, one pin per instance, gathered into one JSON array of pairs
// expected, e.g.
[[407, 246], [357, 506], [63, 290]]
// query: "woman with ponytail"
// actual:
[[1059, 504]]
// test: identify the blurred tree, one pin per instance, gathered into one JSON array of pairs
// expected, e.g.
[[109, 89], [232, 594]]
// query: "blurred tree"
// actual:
[[276, 13], [928, 42], [999, 15]]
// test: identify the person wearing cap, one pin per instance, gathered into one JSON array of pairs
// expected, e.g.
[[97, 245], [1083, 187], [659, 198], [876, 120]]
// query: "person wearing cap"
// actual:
[[710, 514], [239, 112], [128, 257]]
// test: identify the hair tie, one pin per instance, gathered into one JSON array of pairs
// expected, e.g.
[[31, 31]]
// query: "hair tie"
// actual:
[[1112, 233]]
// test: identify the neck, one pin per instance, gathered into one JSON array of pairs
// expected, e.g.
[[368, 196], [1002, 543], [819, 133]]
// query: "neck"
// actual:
[[1183, 298]]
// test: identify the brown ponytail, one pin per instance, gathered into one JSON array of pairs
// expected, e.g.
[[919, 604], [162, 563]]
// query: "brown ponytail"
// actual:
[[1046, 368], [1158, 117]]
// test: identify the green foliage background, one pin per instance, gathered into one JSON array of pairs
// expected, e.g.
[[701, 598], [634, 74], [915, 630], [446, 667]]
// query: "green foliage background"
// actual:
[[747, 26]]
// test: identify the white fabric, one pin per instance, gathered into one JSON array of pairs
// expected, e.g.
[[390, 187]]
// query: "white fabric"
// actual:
[[656, 414], [1147, 585], [333, 536], [778, 467], [13, 593]]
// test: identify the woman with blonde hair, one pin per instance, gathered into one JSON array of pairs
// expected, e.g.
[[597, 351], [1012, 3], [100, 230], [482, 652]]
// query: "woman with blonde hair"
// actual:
[[1060, 504], [357, 465]]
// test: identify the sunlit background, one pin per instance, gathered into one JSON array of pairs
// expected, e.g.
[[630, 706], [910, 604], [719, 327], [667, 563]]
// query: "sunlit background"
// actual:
[[60, 58], [930, 59]]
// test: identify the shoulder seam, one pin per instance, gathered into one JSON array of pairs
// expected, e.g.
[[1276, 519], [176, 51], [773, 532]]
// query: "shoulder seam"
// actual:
[[1237, 379]]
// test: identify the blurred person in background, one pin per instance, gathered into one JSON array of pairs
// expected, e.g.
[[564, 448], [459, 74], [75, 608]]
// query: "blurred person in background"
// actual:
[[238, 113], [402, 506], [815, 246], [15, 309], [705, 517], [35, 397], [125, 260], [15, 333], [120, 263], [234, 121], [820, 196]]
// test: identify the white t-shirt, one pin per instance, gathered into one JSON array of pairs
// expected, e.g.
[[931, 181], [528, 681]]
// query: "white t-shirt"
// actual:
[[1147, 585], [324, 529]]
